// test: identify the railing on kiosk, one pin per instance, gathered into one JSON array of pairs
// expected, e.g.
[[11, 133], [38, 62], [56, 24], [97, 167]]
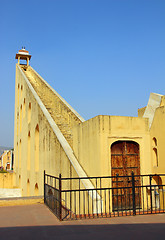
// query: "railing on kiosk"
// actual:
[[116, 196]]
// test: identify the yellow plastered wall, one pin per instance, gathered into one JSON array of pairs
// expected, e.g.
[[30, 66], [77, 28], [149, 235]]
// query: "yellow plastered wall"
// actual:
[[92, 142], [158, 142], [6, 180], [141, 111]]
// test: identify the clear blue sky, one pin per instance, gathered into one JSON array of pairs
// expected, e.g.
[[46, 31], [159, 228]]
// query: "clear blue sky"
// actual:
[[102, 56]]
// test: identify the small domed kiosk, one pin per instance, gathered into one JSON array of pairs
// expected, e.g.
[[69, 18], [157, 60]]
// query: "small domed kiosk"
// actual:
[[23, 55]]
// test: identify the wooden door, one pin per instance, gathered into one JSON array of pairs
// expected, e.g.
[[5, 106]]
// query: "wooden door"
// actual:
[[124, 160]]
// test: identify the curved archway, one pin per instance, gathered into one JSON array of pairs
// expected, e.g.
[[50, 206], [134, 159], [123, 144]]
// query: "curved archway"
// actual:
[[155, 152], [155, 157], [154, 142], [19, 181], [158, 181], [28, 187], [36, 189]]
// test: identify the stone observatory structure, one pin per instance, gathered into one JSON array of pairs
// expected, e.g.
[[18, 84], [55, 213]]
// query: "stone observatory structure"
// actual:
[[50, 135]]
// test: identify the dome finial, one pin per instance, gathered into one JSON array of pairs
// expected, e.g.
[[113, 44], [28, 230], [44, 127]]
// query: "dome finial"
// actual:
[[23, 55]]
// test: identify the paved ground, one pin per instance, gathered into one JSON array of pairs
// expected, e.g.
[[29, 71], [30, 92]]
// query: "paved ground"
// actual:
[[37, 222]]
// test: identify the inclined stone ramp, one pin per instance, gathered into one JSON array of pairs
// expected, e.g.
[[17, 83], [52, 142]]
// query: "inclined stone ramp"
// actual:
[[52, 103], [61, 116]]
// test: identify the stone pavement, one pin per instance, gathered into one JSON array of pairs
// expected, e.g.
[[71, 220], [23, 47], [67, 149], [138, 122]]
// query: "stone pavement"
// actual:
[[37, 222]]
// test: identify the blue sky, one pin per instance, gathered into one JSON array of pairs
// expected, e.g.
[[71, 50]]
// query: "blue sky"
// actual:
[[102, 56]]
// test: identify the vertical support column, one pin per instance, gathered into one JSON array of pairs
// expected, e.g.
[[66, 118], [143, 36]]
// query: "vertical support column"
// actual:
[[117, 175], [133, 194], [60, 205], [18, 60], [27, 61], [151, 192]]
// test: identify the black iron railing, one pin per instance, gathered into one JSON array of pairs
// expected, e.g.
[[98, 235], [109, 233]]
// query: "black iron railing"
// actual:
[[110, 196]]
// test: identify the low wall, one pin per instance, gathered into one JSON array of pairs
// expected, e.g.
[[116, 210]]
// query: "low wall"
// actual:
[[21, 201], [6, 180], [10, 193]]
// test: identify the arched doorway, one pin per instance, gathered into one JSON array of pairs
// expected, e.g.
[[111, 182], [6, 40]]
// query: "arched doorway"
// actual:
[[125, 159]]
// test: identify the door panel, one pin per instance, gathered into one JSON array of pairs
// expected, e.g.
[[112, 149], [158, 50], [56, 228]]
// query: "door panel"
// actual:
[[124, 160]]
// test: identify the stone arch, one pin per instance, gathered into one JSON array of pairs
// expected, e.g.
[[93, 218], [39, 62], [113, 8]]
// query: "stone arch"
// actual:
[[157, 190], [155, 157], [37, 148], [157, 180], [19, 180], [154, 142], [155, 152], [36, 190], [28, 187]]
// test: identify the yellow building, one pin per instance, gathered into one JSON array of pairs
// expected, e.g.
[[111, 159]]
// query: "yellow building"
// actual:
[[50, 135], [7, 160]]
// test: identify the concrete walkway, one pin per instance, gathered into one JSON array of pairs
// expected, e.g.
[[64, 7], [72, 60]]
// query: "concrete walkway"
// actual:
[[37, 222]]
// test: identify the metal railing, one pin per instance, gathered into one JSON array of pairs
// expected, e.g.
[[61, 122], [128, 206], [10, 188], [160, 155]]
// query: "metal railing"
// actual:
[[116, 196]]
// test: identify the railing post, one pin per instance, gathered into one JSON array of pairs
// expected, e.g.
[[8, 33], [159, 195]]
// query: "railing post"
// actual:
[[60, 204], [44, 188], [151, 192], [133, 194], [117, 175]]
